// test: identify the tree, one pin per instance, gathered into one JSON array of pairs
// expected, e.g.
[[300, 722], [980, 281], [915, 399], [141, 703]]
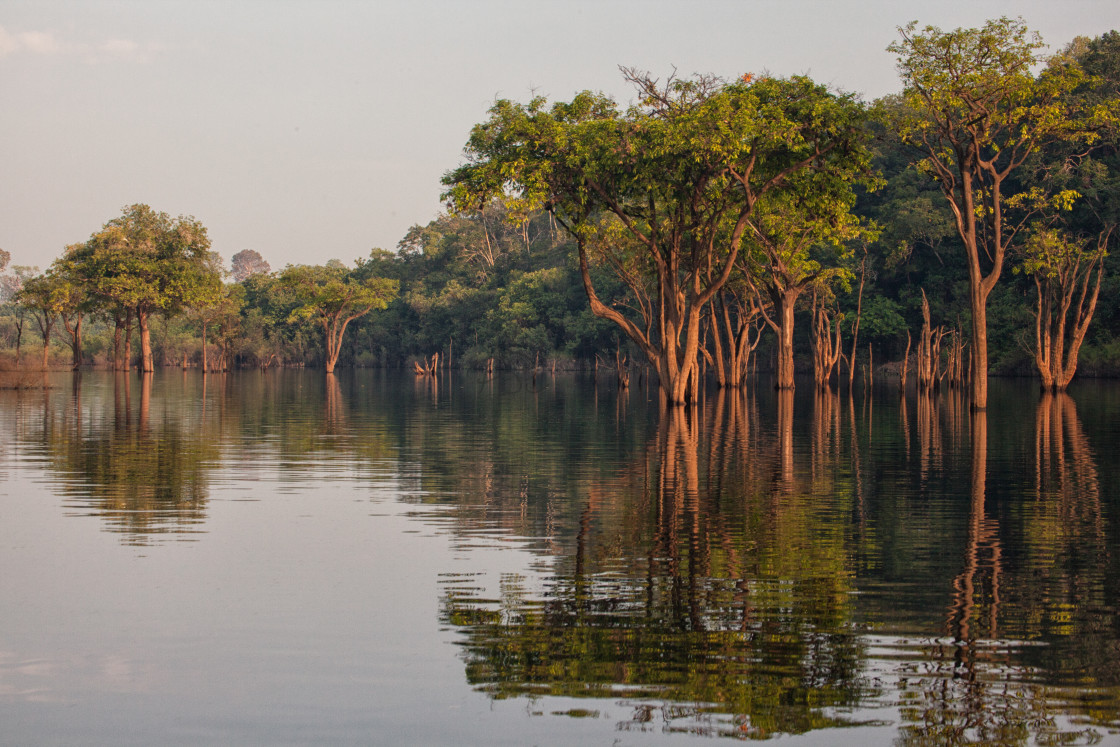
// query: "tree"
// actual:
[[661, 193], [1067, 276], [792, 231], [43, 296], [228, 319], [10, 286], [146, 262], [334, 296], [246, 263], [976, 112]]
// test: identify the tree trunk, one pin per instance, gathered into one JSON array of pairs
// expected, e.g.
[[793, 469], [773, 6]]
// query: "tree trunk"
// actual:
[[146, 363], [127, 341], [717, 345], [784, 329], [205, 358], [855, 326], [979, 349], [76, 342], [75, 332], [20, 319], [826, 349], [116, 342], [46, 330], [905, 365]]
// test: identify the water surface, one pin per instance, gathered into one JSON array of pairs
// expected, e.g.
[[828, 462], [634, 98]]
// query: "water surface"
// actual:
[[285, 557]]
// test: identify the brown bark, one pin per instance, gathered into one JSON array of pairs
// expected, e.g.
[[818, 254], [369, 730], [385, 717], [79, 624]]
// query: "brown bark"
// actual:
[[1060, 326], [929, 351], [905, 365], [46, 322], [855, 325], [205, 349], [826, 345], [127, 363], [142, 319], [732, 321], [784, 303]]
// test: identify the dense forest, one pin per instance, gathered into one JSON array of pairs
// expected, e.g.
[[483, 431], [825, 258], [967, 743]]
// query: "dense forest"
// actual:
[[711, 229]]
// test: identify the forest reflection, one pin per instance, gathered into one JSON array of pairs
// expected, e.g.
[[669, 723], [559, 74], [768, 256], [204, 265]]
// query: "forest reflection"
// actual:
[[144, 476], [759, 563], [731, 579]]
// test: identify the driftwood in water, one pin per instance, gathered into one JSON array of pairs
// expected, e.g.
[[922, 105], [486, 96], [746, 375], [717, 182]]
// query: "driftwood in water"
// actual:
[[430, 368]]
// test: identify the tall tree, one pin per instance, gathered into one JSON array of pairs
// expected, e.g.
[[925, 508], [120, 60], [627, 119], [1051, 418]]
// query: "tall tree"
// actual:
[[333, 296], [660, 193], [976, 112], [146, 262]]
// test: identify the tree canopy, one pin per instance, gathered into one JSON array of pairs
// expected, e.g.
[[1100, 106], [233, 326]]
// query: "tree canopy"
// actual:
[[662, 192]]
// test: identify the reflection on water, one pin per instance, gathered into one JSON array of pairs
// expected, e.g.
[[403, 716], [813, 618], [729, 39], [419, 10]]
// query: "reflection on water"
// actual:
[[760, 564], [731, 579]]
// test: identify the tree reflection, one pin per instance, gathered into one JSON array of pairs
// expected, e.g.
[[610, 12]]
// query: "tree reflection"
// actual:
[[974, 686], [726, 602], [144, 476]]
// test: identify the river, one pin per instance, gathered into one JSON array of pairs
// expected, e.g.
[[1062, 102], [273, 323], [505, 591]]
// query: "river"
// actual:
[[284, 557]]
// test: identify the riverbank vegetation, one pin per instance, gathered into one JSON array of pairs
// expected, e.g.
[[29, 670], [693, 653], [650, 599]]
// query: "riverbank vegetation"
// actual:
[[711, 228]]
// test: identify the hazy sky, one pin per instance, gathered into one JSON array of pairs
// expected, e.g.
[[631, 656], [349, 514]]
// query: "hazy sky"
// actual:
[[317, 130]]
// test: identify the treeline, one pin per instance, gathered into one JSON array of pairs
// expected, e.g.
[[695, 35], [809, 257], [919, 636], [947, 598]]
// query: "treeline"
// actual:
[[716, 227], [477, 290]]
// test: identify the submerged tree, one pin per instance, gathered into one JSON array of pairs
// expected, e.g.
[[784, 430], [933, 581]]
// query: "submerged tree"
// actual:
[[146, 262], [660, 193], [793, 230], [1067, 278], [333, 296], [976, 112]]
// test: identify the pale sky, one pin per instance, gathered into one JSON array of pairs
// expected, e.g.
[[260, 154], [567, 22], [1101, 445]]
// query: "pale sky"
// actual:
[[317, 130]]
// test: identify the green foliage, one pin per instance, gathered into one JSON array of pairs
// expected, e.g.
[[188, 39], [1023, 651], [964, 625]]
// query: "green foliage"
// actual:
[[147, 261], [332, 296], [326, 292], [663, 193]]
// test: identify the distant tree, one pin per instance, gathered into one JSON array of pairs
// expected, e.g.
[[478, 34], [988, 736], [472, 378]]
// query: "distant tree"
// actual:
[[976, 112], [333, 296], [228, 319], [43, 296], [5, 258], [146, 262], [10, 286], [247, 263]]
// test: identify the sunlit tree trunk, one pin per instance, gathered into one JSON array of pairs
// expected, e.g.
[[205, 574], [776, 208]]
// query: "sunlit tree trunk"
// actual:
[[127, 364], [143, 318], [826, 345], [1061, 326], [205, 357]]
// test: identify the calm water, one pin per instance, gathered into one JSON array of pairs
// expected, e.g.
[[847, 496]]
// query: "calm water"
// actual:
[[279, 557]]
